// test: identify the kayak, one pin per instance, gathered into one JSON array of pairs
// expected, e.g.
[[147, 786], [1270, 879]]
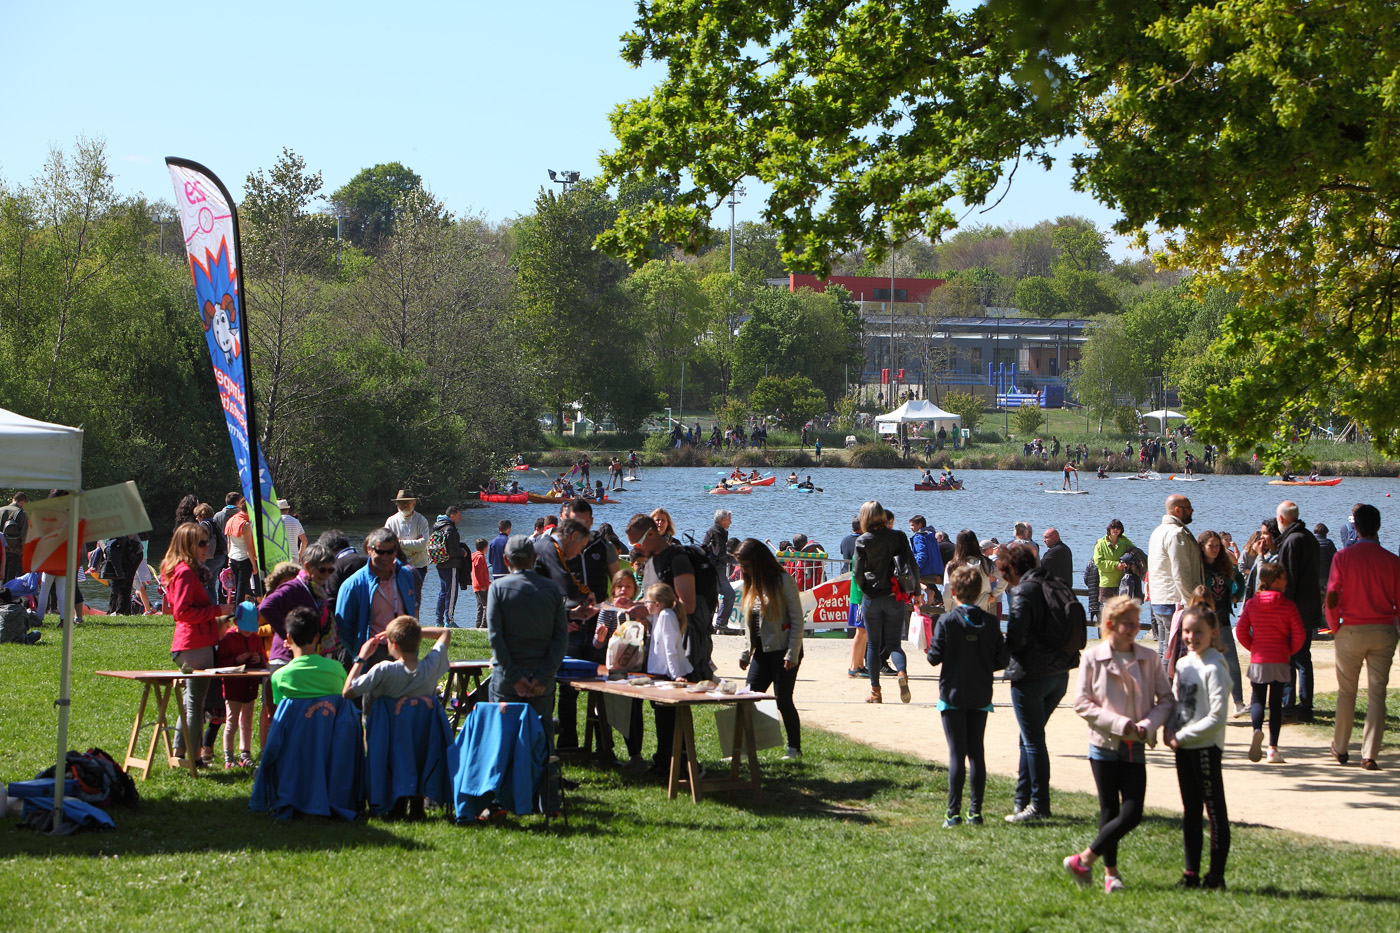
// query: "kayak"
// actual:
[[1305, 482], [521, 466], [520, 498], [722, 491], [537, 499], [550, 497], [938, 487], [768, 480], [800, 489]]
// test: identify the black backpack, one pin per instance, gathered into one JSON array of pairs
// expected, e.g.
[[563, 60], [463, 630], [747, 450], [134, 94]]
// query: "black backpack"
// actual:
[[101, 781], [1066, 626], [706, 576], [217, 545]]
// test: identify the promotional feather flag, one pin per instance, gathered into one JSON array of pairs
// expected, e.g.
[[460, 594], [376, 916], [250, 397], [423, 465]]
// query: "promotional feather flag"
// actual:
[[209, 222]]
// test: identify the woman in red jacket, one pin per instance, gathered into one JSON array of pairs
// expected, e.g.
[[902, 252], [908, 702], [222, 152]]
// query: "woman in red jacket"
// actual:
[[1272, 630], [199, 624]]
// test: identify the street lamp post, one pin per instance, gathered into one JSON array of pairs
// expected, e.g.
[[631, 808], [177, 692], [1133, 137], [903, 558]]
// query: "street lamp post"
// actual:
[[734, 194]]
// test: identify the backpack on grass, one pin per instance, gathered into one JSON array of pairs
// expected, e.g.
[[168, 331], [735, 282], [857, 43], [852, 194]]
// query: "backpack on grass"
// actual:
[[101, 781]]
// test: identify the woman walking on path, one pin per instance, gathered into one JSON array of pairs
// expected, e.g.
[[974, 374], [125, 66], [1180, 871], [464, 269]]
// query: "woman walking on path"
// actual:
[[772, 614], [1224, 581], [1108, 558], [1196, 732], [1124, 695], [199, 623], [882, 554]]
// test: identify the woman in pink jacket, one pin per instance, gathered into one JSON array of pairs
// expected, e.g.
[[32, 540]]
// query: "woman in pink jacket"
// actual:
[[1124, 695], [1271, 629], [199, 624]]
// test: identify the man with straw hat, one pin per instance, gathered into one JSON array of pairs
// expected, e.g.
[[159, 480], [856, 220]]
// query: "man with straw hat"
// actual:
[[412, 531]]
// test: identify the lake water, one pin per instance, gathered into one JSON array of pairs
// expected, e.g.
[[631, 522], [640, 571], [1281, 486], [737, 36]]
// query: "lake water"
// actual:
[[990, 504]]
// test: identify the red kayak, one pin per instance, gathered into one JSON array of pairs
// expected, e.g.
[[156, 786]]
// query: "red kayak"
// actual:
[[1305, 482], [520, 498], [938, 487], [521, 466]]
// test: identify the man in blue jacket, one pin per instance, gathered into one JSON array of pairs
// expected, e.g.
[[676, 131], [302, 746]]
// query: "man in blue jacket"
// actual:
[[371, 597], [927, 557]]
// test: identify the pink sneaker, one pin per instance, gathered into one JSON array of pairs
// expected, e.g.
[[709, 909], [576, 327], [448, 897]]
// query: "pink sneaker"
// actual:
[[1081, 874]]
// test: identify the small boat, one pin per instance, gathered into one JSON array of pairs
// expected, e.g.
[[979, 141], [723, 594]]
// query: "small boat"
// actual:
[[729, 490], [537, 499], [1065, 492], [521, 466], [796, 488], [520, 498], [768, 480], [1150, 475], [1305, 482], [939, 487]]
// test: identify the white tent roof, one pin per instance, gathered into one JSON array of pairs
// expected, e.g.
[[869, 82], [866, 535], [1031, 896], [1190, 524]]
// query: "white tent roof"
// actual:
[[918, 410], [1164, 413], [39, 455]]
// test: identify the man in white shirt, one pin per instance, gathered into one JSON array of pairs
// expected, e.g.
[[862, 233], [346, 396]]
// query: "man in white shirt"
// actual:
[[412, 531], [296, 534]]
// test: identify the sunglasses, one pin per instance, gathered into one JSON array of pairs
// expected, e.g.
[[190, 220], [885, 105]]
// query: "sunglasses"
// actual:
[[385, 551]]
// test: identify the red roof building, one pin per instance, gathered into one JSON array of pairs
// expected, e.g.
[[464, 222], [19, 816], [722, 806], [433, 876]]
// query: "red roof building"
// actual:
[[869, 287]]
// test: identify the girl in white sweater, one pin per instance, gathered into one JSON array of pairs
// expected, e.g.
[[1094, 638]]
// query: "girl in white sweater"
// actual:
[[1197, 732]]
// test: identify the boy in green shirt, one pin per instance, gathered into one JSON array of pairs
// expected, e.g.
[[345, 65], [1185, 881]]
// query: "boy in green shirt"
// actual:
[[307, 674]]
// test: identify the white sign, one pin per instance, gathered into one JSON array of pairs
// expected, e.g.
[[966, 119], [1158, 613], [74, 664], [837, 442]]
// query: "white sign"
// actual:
[[966, 433], [102, 513], [112, 511]]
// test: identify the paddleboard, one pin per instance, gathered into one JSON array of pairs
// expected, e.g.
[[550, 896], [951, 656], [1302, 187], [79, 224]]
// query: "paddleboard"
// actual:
[[1066, 492], [630, 479], [1188, 479]]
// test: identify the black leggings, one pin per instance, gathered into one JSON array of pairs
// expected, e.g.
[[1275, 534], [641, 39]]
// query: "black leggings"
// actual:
[[1122, 787], [964, 729], [1274, 691], [768, 669], [1202, 784]]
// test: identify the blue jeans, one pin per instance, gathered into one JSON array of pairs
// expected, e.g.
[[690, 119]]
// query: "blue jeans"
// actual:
[[1298, 695], [447, 595], [1034, 700], [1232, 661], [1162, 629], [726, 602], [884, 615]]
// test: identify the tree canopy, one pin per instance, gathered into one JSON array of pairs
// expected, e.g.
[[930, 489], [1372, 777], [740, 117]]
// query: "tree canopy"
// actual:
[[1256, 138]]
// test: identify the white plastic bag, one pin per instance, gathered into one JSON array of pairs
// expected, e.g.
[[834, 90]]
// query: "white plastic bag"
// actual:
[[627, 647]]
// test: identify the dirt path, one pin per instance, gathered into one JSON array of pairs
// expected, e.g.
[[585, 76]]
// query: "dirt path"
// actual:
[[1308, 793]]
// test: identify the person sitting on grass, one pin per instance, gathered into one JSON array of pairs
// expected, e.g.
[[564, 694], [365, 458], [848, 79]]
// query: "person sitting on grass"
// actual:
[[16, 621], [308, 674], [403, 676]]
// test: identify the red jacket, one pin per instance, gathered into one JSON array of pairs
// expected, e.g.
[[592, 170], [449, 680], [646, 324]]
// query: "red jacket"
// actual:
[[195, 616], [481, 573], [1270, 628]]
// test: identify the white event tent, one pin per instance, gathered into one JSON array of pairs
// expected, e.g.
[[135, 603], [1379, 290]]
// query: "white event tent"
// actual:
[[1162, 414], [919, 411], [39, 455]]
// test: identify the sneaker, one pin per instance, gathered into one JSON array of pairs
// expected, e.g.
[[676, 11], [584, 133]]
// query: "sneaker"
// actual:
[[1256, 745], [904, 695], [887, 671], [245, 760], [857, 672], [792, 754], [974, 819], [1189, 879], [1241, 711], [229, 763], [1028, 814], [1274, 758], [1213, 882], [1077, 870], [1113, 884], [951, 821]]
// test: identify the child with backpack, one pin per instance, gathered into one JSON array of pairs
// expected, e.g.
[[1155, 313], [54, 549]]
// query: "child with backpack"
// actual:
[[1124, 695], [969, 644], [1196, 732], [1272, 630]]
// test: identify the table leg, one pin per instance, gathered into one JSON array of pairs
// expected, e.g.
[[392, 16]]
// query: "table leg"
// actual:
[[131, 760], [673, 780], [737, 743], [751, 746], [685, 729]]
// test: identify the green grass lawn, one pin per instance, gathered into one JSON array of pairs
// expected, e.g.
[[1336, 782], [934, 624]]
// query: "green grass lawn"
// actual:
[[848, 838]]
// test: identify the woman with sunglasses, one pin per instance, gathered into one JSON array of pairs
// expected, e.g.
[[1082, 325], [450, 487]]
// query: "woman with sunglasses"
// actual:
[[306, 588], [199, 623]]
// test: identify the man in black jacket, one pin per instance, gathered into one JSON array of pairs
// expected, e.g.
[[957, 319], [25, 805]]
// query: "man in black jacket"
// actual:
[[451, 562], [1039, 675], [716, 544], [1298, 552]]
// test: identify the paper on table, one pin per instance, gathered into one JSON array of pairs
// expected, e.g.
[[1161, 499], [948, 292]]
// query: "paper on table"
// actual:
[[238, 669]]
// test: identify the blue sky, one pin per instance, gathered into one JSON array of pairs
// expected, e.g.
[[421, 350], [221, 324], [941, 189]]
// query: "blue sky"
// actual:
[[478, 98]]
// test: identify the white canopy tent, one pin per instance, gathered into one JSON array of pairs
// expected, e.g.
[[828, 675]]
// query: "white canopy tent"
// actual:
[[918, 411], [1162, 414], [39, 455]]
